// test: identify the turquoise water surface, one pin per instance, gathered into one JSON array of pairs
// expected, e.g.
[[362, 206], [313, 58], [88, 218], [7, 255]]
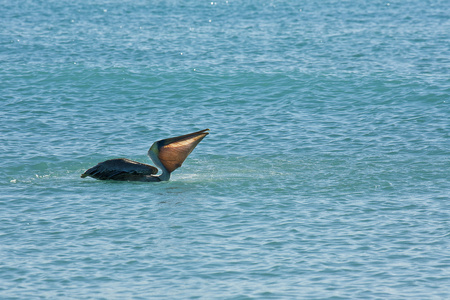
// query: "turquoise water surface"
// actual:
[[325, 176]]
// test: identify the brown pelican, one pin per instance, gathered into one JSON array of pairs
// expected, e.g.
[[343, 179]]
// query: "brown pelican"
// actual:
[[167, 154]]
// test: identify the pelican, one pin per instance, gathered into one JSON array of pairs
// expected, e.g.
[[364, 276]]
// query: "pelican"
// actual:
[[167, 154]]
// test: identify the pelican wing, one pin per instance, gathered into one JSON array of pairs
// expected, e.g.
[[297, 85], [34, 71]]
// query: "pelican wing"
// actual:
[[174, 151], [119, 169]]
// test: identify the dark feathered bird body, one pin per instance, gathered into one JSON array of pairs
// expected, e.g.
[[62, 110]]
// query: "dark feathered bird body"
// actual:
[[121, 169]]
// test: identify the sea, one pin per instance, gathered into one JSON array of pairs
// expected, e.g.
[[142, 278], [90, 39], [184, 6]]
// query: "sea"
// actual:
[[325, 174]]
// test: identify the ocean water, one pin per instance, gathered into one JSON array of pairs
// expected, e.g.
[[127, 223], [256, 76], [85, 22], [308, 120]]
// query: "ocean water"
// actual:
[[325, 176]]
